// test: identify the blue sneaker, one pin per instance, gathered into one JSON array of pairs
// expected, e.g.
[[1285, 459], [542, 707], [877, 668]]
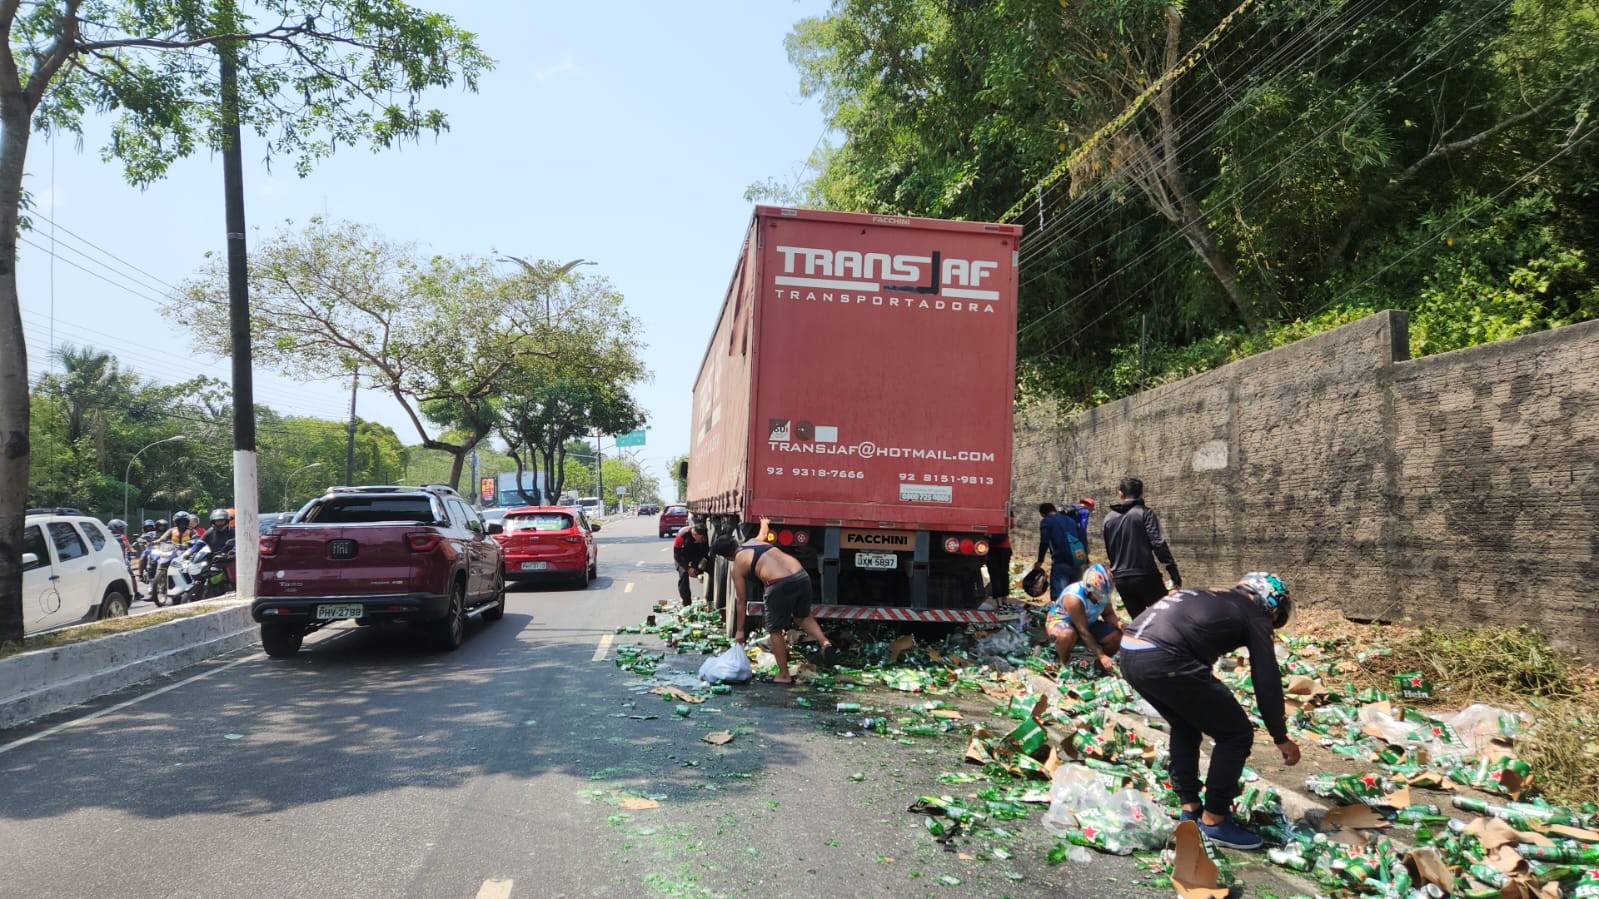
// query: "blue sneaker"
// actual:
[[1186, 815], [1230, 834]]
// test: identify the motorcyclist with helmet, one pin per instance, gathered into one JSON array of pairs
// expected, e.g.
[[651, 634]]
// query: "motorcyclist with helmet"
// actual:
[[182, 530], [1167, 655], [119, 530], [221, 532]]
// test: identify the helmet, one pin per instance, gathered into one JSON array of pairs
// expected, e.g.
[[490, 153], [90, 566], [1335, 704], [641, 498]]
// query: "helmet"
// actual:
[[219, 516], [117, 525], [1098, 581], [182, 519], [1036, 582], [149, 524], [1271, 594], [162, 523]]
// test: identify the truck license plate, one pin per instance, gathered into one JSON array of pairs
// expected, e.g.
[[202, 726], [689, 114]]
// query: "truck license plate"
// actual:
[[535, 566], [877, 561], [329, 613]]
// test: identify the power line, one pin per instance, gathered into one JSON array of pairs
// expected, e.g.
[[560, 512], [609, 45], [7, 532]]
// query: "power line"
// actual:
[[1196, 136], [1373, 276], [1165, 242]]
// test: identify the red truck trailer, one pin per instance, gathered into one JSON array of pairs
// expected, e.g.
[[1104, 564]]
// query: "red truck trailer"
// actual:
[[858, 391]]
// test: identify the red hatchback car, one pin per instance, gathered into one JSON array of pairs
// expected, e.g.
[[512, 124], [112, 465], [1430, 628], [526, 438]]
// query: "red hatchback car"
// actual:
[[549, 541], [672, 519]]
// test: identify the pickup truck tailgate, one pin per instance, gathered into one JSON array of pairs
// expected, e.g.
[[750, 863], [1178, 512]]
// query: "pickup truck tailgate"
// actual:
[[338, 560]]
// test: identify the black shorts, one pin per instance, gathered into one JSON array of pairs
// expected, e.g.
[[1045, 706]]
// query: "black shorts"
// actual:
[[788, 599]]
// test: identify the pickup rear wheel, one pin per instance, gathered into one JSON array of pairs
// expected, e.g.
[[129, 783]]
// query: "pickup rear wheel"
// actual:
[[450, 631], [280, 639]]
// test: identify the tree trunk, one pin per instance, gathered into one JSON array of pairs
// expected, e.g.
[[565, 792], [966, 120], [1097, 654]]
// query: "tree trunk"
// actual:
[[15, 118], [1197, 232]]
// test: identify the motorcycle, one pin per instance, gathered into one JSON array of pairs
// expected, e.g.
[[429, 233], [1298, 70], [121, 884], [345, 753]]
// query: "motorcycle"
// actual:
[[201, 573], [154, 569]]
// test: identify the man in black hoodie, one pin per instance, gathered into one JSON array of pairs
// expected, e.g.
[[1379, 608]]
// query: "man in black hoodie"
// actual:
[[1134, 541]]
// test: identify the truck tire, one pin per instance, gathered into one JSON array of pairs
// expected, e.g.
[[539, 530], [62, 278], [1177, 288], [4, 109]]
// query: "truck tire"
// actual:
[[450, 631], [280, 639]]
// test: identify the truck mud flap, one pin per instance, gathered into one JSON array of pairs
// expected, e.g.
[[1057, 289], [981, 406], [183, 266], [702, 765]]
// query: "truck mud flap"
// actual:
[[898, 613]]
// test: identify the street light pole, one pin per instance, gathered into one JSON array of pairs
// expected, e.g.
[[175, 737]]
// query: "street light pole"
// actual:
[[290, 479], [129, 472]]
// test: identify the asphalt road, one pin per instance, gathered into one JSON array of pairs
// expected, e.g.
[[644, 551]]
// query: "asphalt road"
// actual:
[[370, 766]]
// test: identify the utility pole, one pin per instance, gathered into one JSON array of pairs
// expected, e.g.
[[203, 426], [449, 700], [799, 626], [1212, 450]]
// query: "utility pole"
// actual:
[[349, 441], [599, 469], [246, 500]]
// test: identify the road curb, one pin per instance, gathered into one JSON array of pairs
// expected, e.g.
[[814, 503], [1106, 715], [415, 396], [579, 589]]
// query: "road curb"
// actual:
[[38, 683]]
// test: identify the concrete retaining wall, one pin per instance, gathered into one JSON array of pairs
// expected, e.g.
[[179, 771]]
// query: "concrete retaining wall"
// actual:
[[1459, 488], [39, 683]]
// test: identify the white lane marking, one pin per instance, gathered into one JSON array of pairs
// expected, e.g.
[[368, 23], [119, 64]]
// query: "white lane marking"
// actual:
[[604, 647], [640, 563], [495, 889], [122, 705], [628, 588], [665, 548]]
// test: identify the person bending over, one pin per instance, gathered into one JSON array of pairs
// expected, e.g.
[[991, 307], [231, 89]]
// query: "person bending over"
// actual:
[[787, 591]]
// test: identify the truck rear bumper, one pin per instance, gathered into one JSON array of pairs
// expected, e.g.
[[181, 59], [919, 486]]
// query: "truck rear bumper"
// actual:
[[900, 613], [415, 606]]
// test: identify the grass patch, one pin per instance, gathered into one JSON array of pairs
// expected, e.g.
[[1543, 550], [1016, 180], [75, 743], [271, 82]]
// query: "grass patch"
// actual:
[[1511, 667], [1486, 664], [98, 629]]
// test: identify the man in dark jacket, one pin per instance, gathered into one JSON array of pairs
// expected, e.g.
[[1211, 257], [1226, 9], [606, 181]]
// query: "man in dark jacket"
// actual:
[[1060, 534], [689, 551], [1167, 654], [1134, 542]]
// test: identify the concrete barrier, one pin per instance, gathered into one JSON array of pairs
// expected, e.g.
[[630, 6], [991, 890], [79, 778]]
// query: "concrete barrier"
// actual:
[[33, 684]]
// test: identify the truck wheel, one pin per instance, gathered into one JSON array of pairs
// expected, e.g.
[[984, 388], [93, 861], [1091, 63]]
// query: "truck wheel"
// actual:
[[497, 611], [450, 631], [115, 603], [280, 639]]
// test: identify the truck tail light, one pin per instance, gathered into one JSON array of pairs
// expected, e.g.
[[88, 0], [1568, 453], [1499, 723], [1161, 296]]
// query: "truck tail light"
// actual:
[[967, 545], [269, 545], [952, 544], [980, 547], [422, 543], [802, 537], [785, 538]]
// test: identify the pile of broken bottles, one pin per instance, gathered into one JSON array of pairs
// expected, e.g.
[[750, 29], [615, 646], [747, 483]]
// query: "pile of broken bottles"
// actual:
[[1055, 728]]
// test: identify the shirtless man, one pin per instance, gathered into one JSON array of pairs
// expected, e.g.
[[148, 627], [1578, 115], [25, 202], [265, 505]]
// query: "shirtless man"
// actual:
[[788, 593]]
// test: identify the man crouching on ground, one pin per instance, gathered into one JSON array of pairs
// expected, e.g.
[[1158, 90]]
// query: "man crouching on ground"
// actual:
[[788, 593]]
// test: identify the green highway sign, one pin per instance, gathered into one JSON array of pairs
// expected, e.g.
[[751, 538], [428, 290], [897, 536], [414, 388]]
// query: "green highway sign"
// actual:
[[631, 438]]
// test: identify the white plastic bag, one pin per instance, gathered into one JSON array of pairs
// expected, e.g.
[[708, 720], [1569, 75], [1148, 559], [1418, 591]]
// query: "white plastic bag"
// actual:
[[731, 667]]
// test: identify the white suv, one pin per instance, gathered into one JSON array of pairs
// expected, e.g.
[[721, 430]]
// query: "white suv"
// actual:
[[73, 571]]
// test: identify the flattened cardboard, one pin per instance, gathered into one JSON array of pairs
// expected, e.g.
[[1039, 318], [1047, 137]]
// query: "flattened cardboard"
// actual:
[[678, 693], [718, 737], [638, 803], [1359, 816], [1193, 874], [901, 646], [1427, 866]]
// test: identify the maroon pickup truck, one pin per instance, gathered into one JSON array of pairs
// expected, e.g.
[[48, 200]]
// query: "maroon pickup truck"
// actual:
[[412, 554]]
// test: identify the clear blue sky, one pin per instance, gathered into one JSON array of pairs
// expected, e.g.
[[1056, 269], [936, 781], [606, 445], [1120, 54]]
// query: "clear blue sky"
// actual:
[[622, 132]]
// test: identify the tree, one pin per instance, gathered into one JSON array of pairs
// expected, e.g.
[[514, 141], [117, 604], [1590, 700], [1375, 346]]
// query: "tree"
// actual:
[[311, 76], [440, 335], [546, 401]]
